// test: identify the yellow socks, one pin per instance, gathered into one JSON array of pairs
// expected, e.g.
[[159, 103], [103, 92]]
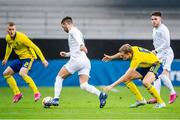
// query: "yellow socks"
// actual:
[[31, 83], [134, 90], [12, 83], [154, 93]]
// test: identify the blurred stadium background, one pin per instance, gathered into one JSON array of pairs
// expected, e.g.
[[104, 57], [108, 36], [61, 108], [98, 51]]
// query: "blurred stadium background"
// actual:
[[106, 24]]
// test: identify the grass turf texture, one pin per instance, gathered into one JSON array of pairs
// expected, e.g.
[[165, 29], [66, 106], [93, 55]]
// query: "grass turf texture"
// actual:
[[77, 104]]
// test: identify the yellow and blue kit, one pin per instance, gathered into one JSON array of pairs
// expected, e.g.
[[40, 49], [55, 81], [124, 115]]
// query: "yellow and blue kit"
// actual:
[[144, 61], [24, 48]]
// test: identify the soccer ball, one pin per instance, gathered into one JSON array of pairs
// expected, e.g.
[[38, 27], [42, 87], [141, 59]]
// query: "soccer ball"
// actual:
[[46, 101]]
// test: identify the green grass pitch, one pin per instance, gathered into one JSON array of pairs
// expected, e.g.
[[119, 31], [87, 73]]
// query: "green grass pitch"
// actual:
[[78, 104]]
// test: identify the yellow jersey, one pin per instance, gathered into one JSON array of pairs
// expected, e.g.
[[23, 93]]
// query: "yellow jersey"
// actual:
[[142, 58], [22, 46]]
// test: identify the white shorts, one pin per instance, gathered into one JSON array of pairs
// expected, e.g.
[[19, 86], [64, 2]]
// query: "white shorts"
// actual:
[[166, 57], [82, 66]]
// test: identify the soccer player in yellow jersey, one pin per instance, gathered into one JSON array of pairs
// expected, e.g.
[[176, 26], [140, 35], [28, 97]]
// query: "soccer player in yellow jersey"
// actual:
[[26, 51], [145, 66]]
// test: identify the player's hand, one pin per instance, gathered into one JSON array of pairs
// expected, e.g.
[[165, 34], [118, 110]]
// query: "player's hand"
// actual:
[[83, 48], [154, 52], [106, 58], [63, 54], [4, 62], [45, 63], [107, 88]]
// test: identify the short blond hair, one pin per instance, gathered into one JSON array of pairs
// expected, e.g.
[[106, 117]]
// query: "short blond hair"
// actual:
[[126, 48]]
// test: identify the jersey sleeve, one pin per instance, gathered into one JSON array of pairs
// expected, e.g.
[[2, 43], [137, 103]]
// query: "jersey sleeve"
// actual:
[[8, 50], [31, 45]]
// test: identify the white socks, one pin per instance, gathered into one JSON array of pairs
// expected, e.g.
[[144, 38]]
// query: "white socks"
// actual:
[[58, 86], [84, 86], [167, 82], [90, 88], [157, 85]]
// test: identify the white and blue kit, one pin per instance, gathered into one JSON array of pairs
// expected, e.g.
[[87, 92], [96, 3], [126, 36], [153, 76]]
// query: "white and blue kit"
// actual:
[[161, 42], [78, 59]]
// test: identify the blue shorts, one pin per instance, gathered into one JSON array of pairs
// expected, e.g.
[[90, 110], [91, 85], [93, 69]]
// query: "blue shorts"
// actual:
[[17, 64], [156, 68]]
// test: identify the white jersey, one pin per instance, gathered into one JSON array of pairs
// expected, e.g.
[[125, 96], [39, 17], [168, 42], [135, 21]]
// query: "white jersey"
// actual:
[[75, 39], [161, 38], [161, 42], [78, 62]]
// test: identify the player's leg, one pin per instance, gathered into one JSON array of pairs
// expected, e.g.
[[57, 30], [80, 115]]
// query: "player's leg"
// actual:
[[139, 98], [69, 68], [8, 75], [84, 85], [84, 78], [167, 82], [157, 85], [63, 73], [133, 88], [26, 66], [91, 89], [167, 60], [148, 79], [147, 82]]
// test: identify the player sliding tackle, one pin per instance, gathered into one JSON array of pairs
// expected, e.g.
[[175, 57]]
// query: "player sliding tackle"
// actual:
[[145, 66]]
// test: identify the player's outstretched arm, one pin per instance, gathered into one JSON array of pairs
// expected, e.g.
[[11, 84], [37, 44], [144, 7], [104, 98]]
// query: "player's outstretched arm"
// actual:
[[107, 58], [120, 80], [128, 76]]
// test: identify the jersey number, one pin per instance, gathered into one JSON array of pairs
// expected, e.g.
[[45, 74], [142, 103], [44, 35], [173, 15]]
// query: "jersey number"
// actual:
[[144, 50]]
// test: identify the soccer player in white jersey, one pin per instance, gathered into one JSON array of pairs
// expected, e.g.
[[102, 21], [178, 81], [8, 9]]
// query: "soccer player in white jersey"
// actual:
[[163, 50], [78, 62]]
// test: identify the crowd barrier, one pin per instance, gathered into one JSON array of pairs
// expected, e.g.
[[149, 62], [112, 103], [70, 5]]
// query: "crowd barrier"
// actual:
[[102, 73]]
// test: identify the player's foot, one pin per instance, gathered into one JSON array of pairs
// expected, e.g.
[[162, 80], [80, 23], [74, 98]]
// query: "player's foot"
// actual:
[[37, 96], [17, 97], [152, 101], [55, 102], [102, 98], [138, 103], [159, 105], [172, 98]]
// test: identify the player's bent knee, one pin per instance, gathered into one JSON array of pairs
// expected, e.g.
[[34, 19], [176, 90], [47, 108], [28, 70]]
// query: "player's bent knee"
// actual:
[[146, 83], [22, 74], [83, 86], [5, 73]]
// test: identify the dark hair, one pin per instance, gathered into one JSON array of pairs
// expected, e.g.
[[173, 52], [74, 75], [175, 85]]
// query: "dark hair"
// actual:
[[67, 19], [156, 13], [11, 23], [126, 48]]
